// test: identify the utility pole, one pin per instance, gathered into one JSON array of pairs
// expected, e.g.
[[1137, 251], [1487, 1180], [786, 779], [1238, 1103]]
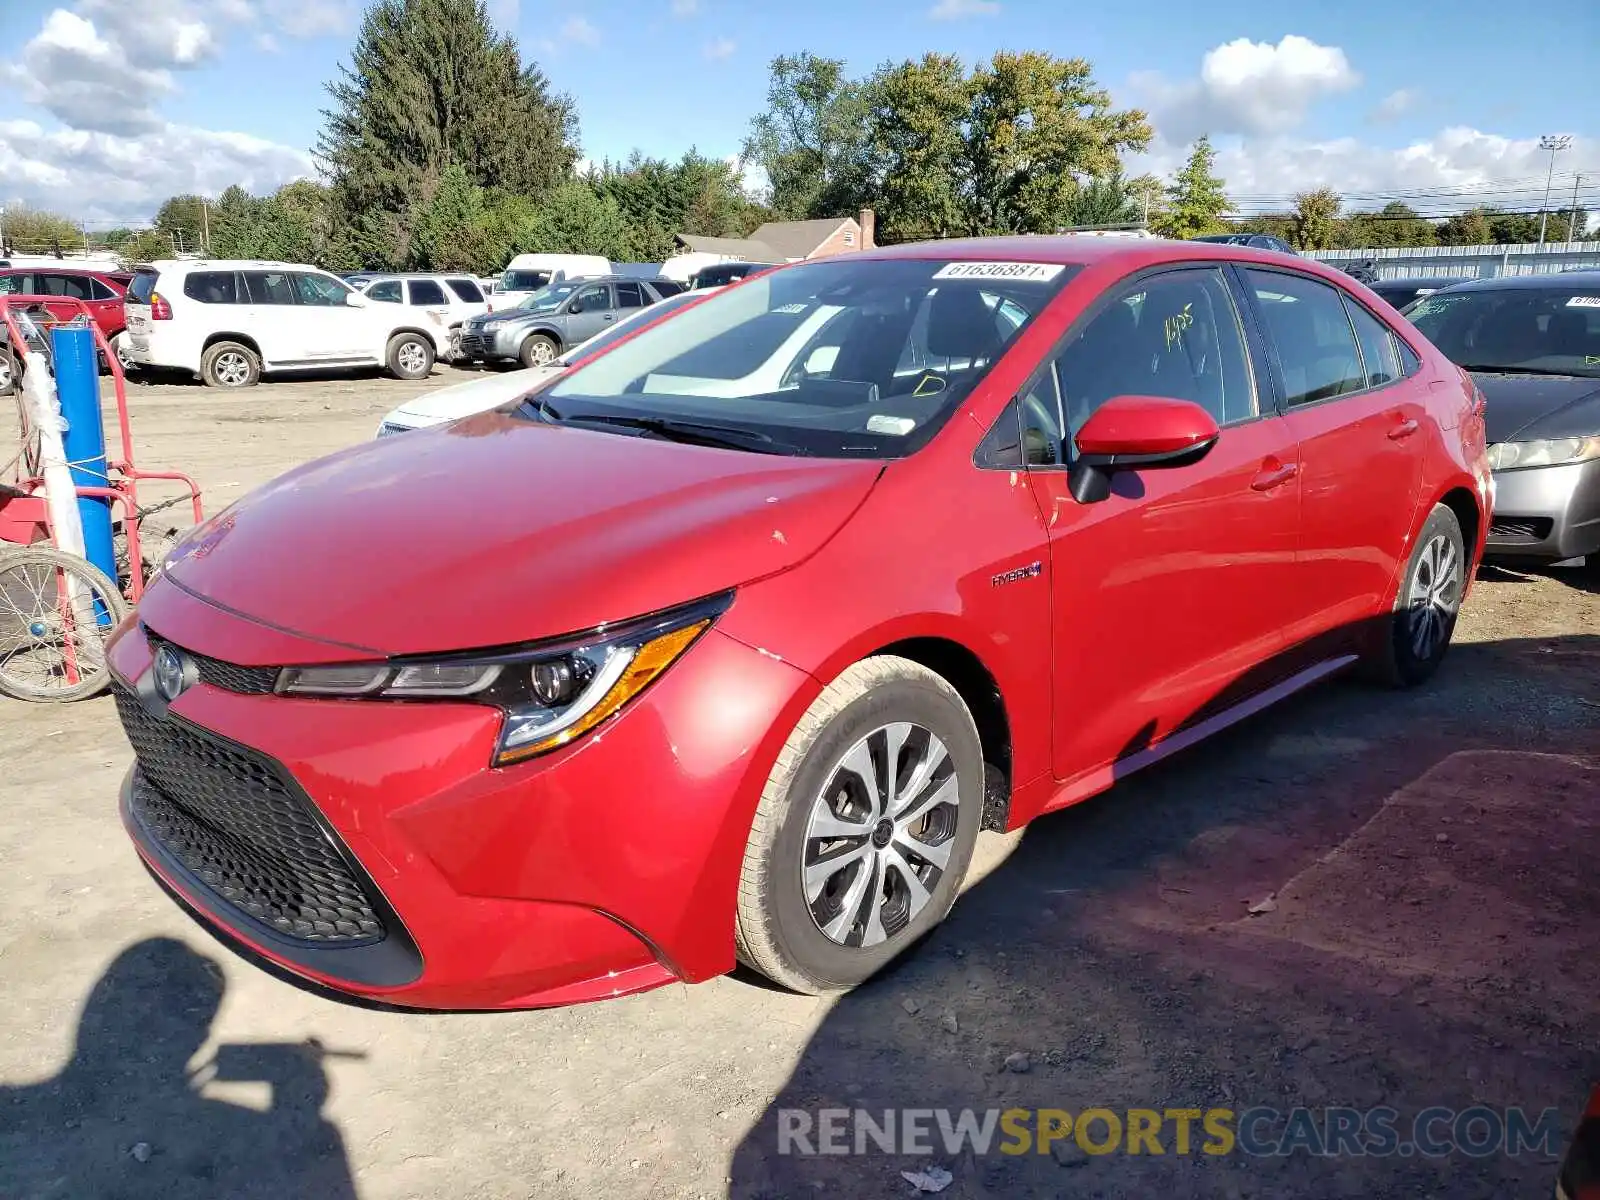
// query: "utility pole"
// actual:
[[1573, 231], [205, 225], [1555, 143]]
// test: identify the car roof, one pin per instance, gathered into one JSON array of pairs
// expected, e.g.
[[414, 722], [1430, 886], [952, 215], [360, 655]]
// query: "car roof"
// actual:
[[226, 264], [1440, 281], [1532, 283], [19, 268], [1117, 255]]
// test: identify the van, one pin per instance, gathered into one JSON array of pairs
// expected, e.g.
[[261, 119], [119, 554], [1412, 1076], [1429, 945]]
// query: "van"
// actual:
[[527, 273]]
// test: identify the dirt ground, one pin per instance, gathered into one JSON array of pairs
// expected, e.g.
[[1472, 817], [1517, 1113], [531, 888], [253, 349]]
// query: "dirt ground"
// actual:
[[1432, 940]]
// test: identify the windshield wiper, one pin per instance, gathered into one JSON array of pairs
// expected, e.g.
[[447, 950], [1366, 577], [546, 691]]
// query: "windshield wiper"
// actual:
[[699, 433]]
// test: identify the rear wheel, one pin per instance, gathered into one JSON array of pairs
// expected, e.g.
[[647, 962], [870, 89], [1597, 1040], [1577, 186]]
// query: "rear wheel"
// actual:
[[8, 372], [1425, 608], [410, 356], [56, 612], [538, 351], [230, 365], [864, 830]]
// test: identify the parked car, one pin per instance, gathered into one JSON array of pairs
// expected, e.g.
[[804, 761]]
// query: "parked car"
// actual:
[[722, 274], [529, 273], [586, 695], [1401, 292], [1257, 241], [1532, 344], [478, 395], [536, 331], [101, 291], [453, 297], [231, 321]]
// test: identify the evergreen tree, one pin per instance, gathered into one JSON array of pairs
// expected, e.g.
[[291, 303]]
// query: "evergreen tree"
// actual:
[[1195, 199], [431, 86]]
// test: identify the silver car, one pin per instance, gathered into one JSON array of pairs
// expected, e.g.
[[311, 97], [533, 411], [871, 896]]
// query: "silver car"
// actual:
[[1532, 343], [554, 319]]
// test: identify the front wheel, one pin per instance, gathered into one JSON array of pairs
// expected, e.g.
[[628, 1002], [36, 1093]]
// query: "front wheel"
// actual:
[[538, 351], [410, 356], [8, 372], [56, 612], [1425, 607], [865, 828]]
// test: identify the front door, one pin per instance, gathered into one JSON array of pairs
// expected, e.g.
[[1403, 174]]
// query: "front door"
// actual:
[[591, 310], [1360, 430], [1170, 596], [332, 328]]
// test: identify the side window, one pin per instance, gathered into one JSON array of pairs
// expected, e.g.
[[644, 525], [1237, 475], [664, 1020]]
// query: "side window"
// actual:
[[1043, 423], [75, 287], [630, 295], [466, 290], [591, 299], [425, 292], [386, 292], [1410, 364], [100, 291], [1311, 333], [15, 285], [269, 287], [1378, 359], [320, 290], [1176, 334], [212, 287]]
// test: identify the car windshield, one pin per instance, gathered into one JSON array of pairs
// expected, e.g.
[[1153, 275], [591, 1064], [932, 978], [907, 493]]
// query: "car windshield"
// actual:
[[841, 357], [623, 328], [548, 299], [1553, 329]]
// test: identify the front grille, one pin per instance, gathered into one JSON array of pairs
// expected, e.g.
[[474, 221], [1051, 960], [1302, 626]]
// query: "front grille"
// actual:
[[229, 816], [1520, 529], [248, 681], [475, 345], [389, 429]]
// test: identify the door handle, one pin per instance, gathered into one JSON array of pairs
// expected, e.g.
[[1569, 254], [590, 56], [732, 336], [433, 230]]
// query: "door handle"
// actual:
[[1272, 477], [1403, 430]]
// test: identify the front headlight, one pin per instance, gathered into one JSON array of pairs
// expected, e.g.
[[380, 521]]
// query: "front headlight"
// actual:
[[1553, 452], [550, 694]]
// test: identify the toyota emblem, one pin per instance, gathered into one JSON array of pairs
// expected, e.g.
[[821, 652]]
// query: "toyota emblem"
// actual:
[[170, 675]]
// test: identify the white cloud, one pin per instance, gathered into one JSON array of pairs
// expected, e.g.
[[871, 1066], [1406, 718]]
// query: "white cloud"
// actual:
[[97, 176], [308, 18], [685, 8], [266, 43], [85, 80], [719, 48], [1395, 105], [504, 14], [576, 29], [1247, 87], [954, 10]]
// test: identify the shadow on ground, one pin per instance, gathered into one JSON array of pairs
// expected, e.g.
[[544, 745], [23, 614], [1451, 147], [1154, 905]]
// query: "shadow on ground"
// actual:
[[1431, 939], [127, 1115]]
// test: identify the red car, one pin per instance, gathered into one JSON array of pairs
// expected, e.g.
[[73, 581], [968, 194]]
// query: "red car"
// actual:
[[728, 642], [102, 291]]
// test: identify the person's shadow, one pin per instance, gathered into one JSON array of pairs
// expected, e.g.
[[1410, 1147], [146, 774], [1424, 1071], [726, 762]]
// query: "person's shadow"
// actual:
[[126, 1116]]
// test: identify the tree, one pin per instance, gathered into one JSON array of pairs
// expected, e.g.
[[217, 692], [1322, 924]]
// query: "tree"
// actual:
[[452, 232], [1316, 217], [1195, 199], [812, 139], [145, 246], [575, 219], [1107, 200], [1395, 224], [661, 199], [430, 85], [185, 220], [34, 231], [1470, 228], [918, 140]]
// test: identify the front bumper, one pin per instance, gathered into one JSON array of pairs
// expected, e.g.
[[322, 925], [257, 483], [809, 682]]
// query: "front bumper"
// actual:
[[1546, 513], [605, 868], [480, 344]]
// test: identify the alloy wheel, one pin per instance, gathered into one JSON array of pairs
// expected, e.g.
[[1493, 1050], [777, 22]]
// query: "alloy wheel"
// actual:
[[411, 358], [541, 353], [232, 369], [880, 834], [1435, 595]]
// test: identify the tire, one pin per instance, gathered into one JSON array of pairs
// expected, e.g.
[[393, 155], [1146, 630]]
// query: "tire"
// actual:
[[1425, 606], [38, 634], [120, 347], [826, 940], [8, 372], [538, 350], [410, 356], [230, 365]]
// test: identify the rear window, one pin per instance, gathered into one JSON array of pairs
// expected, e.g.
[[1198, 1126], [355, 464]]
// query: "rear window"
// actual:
[[467, 290], [212, 287], [665, 287], [142, 287], [525, 281]]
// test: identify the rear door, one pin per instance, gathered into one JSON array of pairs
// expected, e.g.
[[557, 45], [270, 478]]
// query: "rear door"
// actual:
[[428, 294], [272, 316], [68, 287], [1358, 424], [1169, 596]]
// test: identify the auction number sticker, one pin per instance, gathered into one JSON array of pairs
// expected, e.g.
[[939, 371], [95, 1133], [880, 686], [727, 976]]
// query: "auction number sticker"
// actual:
[[1025, 271], [1584, 302]]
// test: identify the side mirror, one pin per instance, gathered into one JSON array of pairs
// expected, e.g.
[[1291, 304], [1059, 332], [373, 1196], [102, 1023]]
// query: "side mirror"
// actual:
[[356, 300], [1130, 432]]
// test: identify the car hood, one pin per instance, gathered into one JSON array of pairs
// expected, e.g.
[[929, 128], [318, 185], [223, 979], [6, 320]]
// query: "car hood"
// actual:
[[496, 530], [477, 395], [513, 316], [1528, 407]]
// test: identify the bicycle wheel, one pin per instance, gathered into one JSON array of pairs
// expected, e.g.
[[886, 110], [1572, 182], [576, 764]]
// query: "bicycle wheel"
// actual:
[[56, 612]]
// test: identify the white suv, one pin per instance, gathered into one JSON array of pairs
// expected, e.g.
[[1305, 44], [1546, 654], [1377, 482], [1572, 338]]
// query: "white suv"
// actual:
[[230, 321], [453, 297]]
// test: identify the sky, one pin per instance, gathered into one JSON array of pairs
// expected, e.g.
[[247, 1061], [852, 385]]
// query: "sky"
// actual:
[[109, 106]]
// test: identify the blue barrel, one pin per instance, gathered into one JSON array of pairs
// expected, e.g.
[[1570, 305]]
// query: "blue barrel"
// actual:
[[77, 371]]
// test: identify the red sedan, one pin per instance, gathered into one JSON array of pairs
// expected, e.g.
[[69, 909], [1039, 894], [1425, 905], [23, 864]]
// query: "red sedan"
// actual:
[[101, 291], [728, 642]]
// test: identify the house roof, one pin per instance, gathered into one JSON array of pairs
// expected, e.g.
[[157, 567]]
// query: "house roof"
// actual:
[[774, 242], [745, 248]]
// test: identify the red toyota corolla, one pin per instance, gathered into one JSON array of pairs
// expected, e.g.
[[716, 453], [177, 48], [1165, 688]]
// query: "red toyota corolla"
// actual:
[[729, 641]]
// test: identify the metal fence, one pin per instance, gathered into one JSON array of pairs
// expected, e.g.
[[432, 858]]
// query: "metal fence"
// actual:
[[1467, 262]]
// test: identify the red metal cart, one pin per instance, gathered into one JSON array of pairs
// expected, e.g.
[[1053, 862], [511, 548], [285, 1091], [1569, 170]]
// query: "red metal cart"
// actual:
[[57, 609]]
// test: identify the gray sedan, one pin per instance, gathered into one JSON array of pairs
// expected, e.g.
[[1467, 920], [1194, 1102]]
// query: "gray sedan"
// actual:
[[553, 319], [1532, 343]]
